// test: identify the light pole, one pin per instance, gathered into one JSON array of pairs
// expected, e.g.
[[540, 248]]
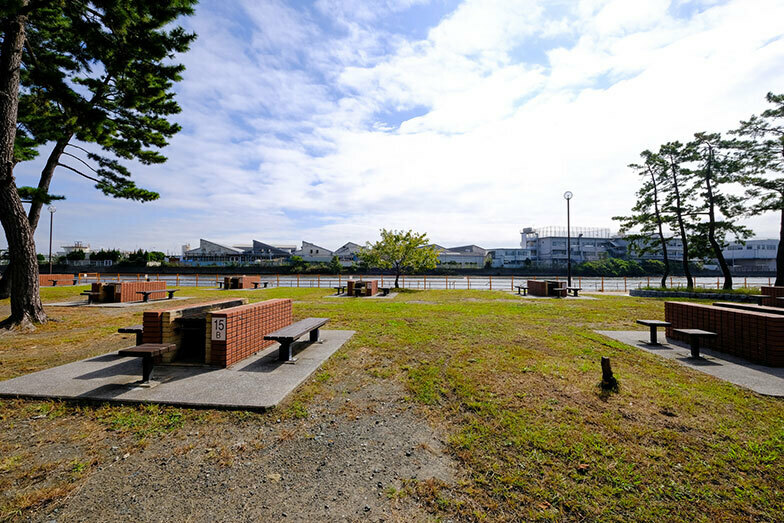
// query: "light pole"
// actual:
[[568, 196], [52, 210]]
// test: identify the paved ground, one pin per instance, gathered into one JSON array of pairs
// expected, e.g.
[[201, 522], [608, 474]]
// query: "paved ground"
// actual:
[[759, 378], [255, 383], [83, 303], [570, 297], [374, 297]]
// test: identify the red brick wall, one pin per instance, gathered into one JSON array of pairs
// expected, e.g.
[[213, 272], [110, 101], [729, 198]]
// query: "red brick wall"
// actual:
[[755, 336], [44, 280], [370, 289], [158, 324], [126, 291], [537, 287], [246, 326], [239, 282], [773, 292]]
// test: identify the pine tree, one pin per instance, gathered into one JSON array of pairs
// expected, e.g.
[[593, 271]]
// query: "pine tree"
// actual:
[[717, 167], [95, 72], [762, 145], [647, 217]]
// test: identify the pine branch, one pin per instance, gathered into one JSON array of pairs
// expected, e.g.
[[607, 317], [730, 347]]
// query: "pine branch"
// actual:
[[79, 172]]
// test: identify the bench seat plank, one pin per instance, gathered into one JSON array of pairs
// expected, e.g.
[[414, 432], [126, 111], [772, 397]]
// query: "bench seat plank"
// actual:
[[149, 352], [148, 349], [295, 330], [287, 335]]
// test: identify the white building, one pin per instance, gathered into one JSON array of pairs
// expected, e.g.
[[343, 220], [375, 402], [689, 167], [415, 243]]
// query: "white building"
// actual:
[[310, 252], [755, 255], [348, 254]]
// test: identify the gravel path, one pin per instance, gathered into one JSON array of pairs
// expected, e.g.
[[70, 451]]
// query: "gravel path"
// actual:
[[347, 460]]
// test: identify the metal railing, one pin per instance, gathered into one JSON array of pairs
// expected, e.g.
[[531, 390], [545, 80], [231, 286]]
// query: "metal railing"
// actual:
[[424, 282]]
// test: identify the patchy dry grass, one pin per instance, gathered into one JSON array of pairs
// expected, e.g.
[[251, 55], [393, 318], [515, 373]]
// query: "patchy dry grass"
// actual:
[[513, 382]]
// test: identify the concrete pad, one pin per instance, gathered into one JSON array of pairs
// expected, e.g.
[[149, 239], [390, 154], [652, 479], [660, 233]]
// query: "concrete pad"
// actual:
[[759, 378], [255, 383], [530, 297], [113, 305], [374, 297]]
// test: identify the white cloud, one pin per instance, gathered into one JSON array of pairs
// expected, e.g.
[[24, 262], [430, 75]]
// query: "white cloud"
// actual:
[[290, 130]]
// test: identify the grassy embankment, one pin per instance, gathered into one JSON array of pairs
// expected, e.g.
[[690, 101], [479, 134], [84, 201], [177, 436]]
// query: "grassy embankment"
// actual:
[[511, 382]]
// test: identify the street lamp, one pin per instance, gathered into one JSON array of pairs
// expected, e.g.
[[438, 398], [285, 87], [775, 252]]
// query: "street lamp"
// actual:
[[568, 196], [52, 210]]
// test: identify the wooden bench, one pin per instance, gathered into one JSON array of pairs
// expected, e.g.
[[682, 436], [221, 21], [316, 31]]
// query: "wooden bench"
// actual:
[[695, 335], [133, 329], [257, 283], [146, 294], [288, 335], [654, 324], [573, 290], [522, 290], [90, 296], [385, 290], [150, 354], [54, 282], [759, 297]]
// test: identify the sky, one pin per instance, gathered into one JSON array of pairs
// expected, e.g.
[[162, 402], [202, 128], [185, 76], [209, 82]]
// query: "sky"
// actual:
[[327, 120]]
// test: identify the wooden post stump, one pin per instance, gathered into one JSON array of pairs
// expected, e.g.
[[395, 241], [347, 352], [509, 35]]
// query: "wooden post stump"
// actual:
[[608, 380]]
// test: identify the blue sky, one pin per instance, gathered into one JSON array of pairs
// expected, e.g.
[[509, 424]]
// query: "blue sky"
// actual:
[[326, 120]]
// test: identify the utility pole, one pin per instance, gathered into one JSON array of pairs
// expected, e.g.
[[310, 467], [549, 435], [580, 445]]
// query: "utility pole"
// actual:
[[568, 196]]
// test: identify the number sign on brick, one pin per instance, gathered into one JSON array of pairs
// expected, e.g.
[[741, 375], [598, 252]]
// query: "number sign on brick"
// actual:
[[219, 329]]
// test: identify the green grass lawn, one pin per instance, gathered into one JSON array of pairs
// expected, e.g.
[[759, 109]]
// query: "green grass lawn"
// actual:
[[514, 385]]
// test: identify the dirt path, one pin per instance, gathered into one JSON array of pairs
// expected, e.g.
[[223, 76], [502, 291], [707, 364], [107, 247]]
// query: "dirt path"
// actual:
[[348, 459]]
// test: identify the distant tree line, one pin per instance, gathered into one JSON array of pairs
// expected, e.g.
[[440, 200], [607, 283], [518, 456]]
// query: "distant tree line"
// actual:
[[695, 192]]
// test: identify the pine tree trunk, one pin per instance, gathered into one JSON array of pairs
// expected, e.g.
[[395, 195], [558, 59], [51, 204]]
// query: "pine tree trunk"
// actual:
[[682, 228], [34, 214], [26, 307], [725, 269]]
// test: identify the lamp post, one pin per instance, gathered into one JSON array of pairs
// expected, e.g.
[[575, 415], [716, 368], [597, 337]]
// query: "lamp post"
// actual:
[[52, 210], [568, 196]]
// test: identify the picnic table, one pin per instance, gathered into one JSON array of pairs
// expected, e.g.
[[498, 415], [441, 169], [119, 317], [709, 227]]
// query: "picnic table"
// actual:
[[90, 296], [257, 283], [522, 290], [150, 353], [573, 290], [759, 298], [340, 289], [385, 290], [695, 335], [54, 281], [134, 329], [654, 324]]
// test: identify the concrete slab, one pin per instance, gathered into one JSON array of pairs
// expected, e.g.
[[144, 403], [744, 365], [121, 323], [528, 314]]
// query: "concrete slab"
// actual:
[[256, 383], [530, 297], [759, 378], [374, 297], [113, 305]]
